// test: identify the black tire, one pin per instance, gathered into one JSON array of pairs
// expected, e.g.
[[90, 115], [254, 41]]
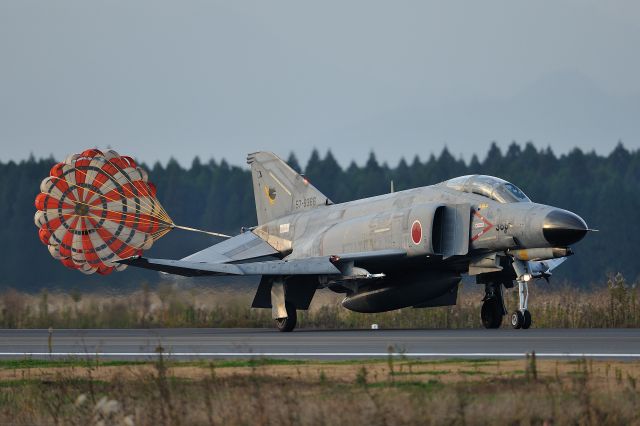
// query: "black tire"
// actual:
[[517, 319], [289, 323], [526, 323], [491, 313]]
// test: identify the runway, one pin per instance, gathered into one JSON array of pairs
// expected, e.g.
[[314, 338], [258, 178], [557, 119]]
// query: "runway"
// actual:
[[320, 344]]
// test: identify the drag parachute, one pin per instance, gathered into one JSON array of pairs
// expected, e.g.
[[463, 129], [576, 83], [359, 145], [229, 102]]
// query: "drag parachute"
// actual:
[[97, 208]]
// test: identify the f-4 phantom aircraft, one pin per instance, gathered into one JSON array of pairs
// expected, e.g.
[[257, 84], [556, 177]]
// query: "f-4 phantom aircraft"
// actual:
[[402, 249]]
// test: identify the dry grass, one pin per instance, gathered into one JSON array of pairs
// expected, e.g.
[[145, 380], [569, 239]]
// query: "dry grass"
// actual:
[[264, 392], [345, 372], [615, 305]]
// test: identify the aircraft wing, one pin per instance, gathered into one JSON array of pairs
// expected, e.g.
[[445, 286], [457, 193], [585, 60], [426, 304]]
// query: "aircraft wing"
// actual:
[[370, 256], [308, 266], [248, 254], [244, 254]]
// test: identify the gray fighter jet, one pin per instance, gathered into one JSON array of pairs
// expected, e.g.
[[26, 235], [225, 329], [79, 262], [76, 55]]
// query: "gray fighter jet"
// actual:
[[402, 249]]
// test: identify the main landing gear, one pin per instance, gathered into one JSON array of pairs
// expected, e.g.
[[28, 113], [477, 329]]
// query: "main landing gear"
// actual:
[[282, 310], [493, 307], [289, 323]]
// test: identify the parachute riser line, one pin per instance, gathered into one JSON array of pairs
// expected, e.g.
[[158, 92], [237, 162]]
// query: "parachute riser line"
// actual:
[[186, 228]]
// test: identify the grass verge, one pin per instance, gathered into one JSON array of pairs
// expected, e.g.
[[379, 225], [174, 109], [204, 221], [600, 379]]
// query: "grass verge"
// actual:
[[291, 392]]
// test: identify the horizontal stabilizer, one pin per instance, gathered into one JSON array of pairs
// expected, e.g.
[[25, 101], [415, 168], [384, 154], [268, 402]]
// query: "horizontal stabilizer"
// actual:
[[181, 267], [241, 247]]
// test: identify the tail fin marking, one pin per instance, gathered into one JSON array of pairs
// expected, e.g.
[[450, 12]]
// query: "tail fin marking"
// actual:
[[279, 190]]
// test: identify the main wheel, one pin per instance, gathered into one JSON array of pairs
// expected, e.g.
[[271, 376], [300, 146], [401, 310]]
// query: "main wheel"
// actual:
[[526, 323], [517, 320], [491, 313], [289, 323]]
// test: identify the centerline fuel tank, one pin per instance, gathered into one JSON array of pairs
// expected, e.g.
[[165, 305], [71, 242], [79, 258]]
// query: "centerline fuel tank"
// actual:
[[402, 290]]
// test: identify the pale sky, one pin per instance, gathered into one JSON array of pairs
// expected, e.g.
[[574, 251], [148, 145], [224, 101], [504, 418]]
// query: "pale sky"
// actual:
[[157, 79]]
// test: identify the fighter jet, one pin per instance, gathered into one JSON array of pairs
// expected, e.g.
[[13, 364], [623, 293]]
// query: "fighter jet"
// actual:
[[402, 249]]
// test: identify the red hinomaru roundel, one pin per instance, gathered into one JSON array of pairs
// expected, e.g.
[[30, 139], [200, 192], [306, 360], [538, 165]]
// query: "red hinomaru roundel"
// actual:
[[416, 232], [96, 208]]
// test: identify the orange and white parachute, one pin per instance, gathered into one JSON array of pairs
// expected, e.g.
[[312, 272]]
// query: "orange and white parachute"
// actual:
[[97, 208]]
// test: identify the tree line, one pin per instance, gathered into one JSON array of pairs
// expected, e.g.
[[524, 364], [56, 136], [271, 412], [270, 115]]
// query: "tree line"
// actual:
[[215, 195]]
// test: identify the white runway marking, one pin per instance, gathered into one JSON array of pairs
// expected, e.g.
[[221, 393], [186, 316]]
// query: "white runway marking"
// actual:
[[323, 354]]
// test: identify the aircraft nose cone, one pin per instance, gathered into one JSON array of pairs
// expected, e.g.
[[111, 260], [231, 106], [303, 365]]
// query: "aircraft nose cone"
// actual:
[[562, 228]]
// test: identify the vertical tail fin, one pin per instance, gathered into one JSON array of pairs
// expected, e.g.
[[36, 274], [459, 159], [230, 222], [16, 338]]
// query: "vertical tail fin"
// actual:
[[279, 190]]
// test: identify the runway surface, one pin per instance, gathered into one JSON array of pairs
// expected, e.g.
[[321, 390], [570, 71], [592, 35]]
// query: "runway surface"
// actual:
[[320, 344]]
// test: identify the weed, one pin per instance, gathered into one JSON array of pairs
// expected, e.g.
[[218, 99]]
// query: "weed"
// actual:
[[390, 361], [632, 381], [226, 395], [361, 376], [531, 368], [322, 377], [167, 305]]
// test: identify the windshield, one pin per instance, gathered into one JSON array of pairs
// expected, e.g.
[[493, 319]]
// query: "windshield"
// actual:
[[488, 186]]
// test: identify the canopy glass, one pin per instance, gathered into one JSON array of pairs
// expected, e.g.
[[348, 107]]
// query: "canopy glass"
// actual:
[[488, 186]]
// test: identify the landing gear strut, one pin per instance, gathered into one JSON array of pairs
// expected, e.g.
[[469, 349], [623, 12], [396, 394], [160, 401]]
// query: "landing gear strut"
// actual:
[[522, 317], [283, 311], [493, 306], [289, 323]]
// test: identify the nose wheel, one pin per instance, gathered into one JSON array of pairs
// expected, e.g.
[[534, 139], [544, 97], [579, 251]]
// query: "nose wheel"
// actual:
[[522, 317]]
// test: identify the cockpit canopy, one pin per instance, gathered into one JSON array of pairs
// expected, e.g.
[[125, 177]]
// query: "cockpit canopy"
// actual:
[[488, 186]]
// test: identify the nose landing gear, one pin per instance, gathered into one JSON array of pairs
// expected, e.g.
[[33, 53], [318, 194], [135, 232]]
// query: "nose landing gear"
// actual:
[[522, 317]]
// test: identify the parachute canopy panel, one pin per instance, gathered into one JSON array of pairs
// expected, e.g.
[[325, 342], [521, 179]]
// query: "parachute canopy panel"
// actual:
[[97, 208]]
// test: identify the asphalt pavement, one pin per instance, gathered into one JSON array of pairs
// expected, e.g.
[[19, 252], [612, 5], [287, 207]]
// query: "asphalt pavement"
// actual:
[[320, 344]]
